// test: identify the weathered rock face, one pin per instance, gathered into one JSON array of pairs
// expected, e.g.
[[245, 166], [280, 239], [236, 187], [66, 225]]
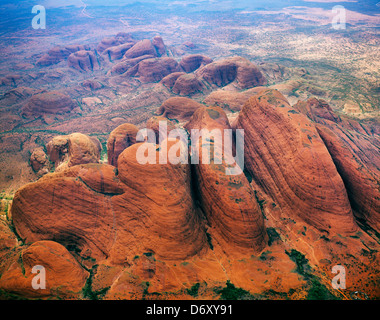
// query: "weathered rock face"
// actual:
[[7, 239], [187, 84], [52, 102], [119, 39], [173, 229], [154, 124], [17, 94], [170, 79], [354, 150], [159, 44], [92, 84], [126, 64], [192, 62], [10, 80], [64, 276], [57, 54], [75, 215], [87, 208], [153, 70], [315, 108], [120, 138], [289, 162], [248, 75], [39, 161], [179, 108], [230, 100], [57, 149], [73, 149], [83, 61], [357, 160], [117, 52], [228, 201], [141, 48], [208, 118], [219, 73], [107, 43], [223, 72], [82, 149], [100, 178]]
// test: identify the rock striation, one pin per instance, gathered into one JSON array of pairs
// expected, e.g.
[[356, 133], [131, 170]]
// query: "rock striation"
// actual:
[[221, 73], [187, 84], [117, 40], [120, 138], [101, 212], [64, 275], [73, 149], [141, 48], [84, 61], [235, 220], [288, 161], [354, 150], [59, 53], [192, 62], [154, 69]]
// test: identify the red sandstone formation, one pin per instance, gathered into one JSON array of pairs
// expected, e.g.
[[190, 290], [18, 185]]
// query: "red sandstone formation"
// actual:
[[235, 219], [187, 84], [230, 100], [101, 214], [92, 84], [120, 138], [126, 64], [153, 70], [64, 275], [52, 102], [170, 79], [39, 161], [289, 162], [179, 108], [73, 149], [154, 124], [354, 150], [192, 62], [141, 48], [223, 72], [159, 44], [119, 39], [117, 52], [57, 54], [83, 61]]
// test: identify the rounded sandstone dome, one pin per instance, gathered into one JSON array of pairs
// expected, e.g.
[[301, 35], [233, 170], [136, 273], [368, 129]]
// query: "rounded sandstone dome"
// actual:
[[83, 60], [53, 102]]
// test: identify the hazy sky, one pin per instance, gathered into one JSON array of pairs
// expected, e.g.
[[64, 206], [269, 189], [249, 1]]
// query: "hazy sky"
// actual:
[[62, 3], [363, 6]]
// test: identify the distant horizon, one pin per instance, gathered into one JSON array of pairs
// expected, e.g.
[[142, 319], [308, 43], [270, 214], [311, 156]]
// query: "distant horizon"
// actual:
[[368, 6]]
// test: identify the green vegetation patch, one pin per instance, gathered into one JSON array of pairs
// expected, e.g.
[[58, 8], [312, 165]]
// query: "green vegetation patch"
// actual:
[[318, 291], [230, 292], [302, 263], [273, 236], [87, 291], [193, 291]]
